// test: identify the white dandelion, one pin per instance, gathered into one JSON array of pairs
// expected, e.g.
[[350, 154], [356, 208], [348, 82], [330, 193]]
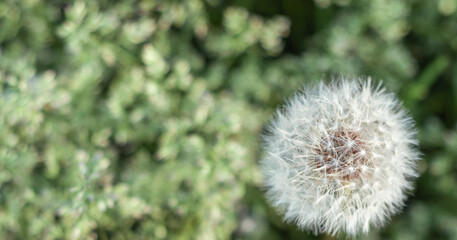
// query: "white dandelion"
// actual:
[[340, 157]]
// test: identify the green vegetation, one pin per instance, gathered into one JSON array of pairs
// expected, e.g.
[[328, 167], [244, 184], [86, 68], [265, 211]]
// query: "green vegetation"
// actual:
[[141, 119]]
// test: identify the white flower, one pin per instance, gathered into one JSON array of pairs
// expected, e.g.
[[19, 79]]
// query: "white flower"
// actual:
[[340, 157]]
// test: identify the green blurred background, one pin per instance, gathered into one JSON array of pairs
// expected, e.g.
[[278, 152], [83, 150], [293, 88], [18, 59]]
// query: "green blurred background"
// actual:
[[142, 119]]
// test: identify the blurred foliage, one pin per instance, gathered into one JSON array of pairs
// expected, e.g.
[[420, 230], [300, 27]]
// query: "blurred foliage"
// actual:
[[141, 119]]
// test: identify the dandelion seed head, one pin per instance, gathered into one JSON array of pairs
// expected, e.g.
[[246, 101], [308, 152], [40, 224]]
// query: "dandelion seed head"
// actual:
[[340, 157]]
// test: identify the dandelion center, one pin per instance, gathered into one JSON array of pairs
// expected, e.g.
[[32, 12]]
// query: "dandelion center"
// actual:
[[341, 154]]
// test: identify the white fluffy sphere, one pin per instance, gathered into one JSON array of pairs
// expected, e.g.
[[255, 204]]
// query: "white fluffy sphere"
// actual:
[[340, 157]]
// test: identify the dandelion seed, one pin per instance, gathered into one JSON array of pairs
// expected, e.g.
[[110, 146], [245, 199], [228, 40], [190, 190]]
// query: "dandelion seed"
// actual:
[[340, 157]]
